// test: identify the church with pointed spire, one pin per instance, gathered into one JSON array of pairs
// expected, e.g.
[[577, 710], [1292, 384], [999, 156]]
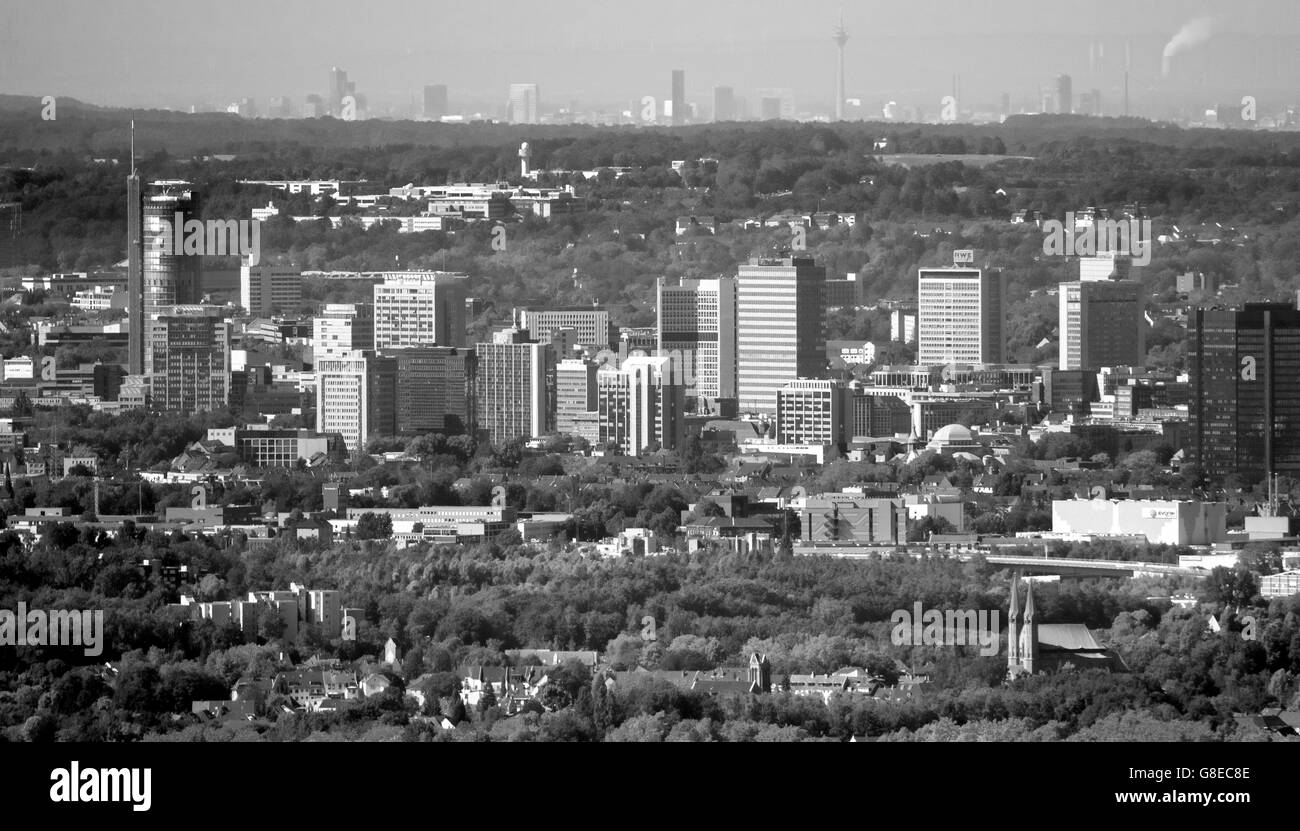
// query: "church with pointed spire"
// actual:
[[1050, 647]]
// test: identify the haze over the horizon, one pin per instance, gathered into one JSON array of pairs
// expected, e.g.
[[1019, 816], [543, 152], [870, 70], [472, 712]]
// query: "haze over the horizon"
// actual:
[[153, 53]]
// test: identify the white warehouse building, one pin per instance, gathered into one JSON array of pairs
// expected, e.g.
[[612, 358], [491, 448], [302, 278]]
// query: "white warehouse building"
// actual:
[[1170, 522]]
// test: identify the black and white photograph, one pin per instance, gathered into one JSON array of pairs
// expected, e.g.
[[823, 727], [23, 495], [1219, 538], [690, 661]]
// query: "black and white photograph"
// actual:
[[841, 371]]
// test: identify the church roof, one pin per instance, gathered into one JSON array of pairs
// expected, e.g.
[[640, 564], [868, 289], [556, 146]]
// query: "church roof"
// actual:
[[1069, 636]]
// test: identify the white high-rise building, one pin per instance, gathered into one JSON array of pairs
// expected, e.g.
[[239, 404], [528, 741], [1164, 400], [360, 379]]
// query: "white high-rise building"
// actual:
[[343, 328], [356, 397], [640, 405], [813, 412], [960, 316], [515, 388], [575, 398], [420, 308], [697, 328], [780, 327]]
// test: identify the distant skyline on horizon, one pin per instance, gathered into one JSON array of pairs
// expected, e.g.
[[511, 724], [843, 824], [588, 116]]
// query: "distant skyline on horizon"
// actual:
[[610, 55]]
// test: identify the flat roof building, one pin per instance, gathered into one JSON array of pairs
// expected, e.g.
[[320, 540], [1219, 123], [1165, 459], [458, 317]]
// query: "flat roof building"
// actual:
[[781, 327], [960, 316]]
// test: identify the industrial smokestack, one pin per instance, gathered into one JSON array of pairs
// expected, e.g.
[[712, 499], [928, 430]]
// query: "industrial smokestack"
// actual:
[[1194, 33]]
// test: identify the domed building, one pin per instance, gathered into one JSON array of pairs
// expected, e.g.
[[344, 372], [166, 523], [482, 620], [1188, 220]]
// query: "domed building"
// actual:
[[956, 438]]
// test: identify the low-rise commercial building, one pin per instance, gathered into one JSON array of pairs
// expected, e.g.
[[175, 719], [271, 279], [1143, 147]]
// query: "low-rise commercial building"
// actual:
[[1169, 522]]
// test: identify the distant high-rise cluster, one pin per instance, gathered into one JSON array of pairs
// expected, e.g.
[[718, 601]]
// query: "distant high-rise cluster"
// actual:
[[523, 106], [340, 88], [1063, 97], [678, 98], [435, 101], [724, 104]]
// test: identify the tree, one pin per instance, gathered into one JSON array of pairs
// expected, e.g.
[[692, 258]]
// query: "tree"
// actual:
[[22, 406], [602, 706], [487, 700], [371, 526], [456, 714], [509, 455], [1231, 587], [921, 531]]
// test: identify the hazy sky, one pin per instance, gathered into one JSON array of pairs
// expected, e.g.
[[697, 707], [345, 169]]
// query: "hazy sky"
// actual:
[[174, 53]]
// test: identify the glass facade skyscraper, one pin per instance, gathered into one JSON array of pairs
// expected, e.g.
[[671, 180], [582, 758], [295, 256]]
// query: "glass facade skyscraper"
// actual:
[[1244, 413]]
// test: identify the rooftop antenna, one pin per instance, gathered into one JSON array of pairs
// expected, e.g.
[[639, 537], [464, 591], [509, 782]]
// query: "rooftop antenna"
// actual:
[[132, 146]]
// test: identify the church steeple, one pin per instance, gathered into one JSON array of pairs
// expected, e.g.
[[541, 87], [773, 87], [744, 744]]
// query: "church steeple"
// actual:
[[1013, 628], [1029, 634]]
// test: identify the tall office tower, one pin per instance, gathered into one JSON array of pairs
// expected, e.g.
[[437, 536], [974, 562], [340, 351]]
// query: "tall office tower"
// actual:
[[641, 405], [314, 107], [813, 412], [724, 104], [340, 88], [515, 388], [435, 100], [280, 107], [1244, 411], [769, 107], [780, 327], [1101, 324], [1064, 94], [697, 327], [679, 97], [841, 37], [523, 104], [592, 324], [134, 267], [266, 290], [343, 328], [960, 316], [575, 398], [435, 390], [356, 397], [169, 276], [420, 308], [191, 363]]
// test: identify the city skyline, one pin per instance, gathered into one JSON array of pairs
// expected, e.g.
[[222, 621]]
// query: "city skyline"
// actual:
[[1016, 54], [358, 429]]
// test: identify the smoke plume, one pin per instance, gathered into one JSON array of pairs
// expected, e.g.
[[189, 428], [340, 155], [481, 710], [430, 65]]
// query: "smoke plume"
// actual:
[[1194, 33]]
